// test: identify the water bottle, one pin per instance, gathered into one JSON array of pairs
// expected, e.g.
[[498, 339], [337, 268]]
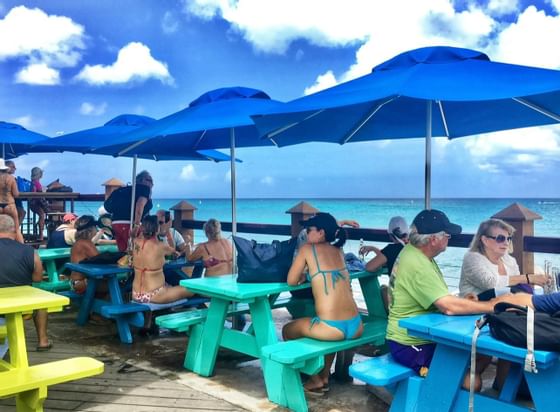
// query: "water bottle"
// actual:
[[362, 257]]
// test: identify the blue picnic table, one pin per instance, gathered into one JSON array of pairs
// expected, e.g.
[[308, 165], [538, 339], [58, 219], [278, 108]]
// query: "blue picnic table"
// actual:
[[125, 314], [442, 389]]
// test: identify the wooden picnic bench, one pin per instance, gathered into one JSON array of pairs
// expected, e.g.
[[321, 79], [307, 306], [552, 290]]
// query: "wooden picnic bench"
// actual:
[[53, 263], [29, 384]]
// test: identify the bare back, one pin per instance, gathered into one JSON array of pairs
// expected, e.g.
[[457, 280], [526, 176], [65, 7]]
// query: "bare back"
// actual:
[[148, 258], [220, 249], [8, 189], [82, 249], [330, 281]]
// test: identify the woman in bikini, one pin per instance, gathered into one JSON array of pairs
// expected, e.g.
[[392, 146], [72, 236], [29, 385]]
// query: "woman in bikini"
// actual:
[[337, 314], [8, 194], [38, 206], [149, 257], [216, 253]]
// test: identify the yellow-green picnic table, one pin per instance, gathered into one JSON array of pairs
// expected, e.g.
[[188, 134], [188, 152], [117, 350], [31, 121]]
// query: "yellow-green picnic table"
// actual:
[[29, 383]]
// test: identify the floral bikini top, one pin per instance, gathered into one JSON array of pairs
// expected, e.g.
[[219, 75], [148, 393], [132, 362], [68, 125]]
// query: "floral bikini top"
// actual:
[[336, 274]]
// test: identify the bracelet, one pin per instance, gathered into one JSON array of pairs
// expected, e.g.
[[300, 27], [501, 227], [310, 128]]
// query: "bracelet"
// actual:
[[527, 276]]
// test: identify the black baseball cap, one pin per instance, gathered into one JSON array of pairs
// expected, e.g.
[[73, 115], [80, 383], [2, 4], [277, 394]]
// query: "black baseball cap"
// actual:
[[322, 220], [432, 221]]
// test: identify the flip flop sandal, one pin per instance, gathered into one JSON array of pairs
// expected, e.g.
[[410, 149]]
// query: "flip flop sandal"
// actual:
[[44, 348], [315, 392]]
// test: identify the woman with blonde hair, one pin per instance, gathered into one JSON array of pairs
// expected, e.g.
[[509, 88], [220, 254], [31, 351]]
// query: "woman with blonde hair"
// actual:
[[488, 263], [216, 253], [38, 206], [8, 194]]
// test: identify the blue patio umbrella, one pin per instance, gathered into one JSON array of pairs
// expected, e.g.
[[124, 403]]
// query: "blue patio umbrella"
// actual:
[[95, 141], [16, 140], [220, 118], [432, 91]]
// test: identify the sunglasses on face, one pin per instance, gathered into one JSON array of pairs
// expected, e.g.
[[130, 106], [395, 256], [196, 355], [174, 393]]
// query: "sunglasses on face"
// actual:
[[310, 229], [500, 238]]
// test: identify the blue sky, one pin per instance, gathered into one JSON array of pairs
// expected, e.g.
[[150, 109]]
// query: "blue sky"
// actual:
[[72, 65]]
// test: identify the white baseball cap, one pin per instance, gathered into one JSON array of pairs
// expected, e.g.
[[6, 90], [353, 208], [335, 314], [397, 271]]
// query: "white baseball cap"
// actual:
[[398, 227]]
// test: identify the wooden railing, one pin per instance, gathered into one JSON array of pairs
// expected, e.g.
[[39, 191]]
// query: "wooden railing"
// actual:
[[538, 244]]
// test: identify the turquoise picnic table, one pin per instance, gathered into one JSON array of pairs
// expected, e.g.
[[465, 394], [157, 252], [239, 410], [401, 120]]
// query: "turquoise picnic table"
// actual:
[[52, 259], [211, 333], [442, 389]]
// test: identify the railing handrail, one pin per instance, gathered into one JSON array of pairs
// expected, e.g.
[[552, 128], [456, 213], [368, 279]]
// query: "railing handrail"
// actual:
[[538, 244]]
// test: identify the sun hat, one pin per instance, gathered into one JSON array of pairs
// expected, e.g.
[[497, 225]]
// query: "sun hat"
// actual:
[[324, 221], [69, 217], [3, 165], [432, 221], [398, 227]]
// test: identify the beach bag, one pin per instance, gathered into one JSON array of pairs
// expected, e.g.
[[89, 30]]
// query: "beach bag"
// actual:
[[263, 262], [508, 323], [23, 184]]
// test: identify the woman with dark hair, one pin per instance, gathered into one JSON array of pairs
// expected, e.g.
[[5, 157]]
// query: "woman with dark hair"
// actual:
[[149, 257], [83, 248], [337, 313]]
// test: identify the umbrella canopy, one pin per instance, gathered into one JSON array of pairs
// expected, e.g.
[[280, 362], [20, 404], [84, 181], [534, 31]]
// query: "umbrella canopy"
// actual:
[[220, 118], [17, 140], [95, 139], [432, 91]]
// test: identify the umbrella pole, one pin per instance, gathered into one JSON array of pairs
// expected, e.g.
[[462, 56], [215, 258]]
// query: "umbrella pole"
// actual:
[[233, 195], [4, 151], [132, 202], [428, 164]]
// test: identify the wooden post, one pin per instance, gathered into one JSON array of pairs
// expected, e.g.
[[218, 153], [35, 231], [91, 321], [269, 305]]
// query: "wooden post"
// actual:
[[301, 211], [111, 185], [183, 211], [522, 220]]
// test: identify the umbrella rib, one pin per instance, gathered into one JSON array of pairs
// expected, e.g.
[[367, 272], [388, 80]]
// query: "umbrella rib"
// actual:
[[536, 108], [443, 119], [132, 146], [289, 126], [195, 146], [363, 122]]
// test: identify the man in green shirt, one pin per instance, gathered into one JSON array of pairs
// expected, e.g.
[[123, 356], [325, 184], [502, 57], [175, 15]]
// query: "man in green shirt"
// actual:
[[417, 287]]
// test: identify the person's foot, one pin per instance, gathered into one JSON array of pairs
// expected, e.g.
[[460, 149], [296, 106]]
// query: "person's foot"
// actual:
[[44, 347]]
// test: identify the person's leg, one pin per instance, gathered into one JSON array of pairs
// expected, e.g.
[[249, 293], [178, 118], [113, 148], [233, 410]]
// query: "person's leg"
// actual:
[[171, 294], [11, 210], [317, 330], [121, 232], [40, 318], [482, 362], [42, 215]]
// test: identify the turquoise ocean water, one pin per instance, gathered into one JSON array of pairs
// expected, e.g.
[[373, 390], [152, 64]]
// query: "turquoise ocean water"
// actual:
[[373, 213]]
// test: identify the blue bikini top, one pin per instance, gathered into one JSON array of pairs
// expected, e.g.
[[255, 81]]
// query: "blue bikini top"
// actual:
[[336, 274]]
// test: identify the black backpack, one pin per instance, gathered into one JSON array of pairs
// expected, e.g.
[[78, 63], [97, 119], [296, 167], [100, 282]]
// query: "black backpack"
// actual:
[[117, 197], [508, 323]]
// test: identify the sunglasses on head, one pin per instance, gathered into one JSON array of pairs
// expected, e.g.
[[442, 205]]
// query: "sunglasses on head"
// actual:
[[500, 238]]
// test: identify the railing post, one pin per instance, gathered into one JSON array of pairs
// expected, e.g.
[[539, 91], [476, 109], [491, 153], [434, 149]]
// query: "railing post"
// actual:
[[301, 211], [111, 185], [183, 211], [522, 219]]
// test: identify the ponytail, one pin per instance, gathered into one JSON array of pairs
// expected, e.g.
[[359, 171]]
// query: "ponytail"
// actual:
[[341, 235]]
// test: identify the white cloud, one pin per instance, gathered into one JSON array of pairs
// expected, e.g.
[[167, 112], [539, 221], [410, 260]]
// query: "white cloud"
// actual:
[[26, 121], [502, 7], [267, 180], [169, 23], [324, 81], [532, 40], [38, 73], [41, 38], [134, 63], [90, 109], [189, 174]]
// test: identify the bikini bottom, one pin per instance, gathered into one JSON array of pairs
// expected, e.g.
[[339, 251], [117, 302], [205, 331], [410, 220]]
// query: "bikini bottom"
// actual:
[[348, 327], [146, 297]]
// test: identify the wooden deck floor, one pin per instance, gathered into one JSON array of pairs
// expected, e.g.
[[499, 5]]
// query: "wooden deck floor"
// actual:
[[148, 376]]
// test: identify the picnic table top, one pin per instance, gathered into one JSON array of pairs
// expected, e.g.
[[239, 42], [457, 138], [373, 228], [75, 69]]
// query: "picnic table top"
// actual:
[[26, 298], [458, 331], [227, 287]]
